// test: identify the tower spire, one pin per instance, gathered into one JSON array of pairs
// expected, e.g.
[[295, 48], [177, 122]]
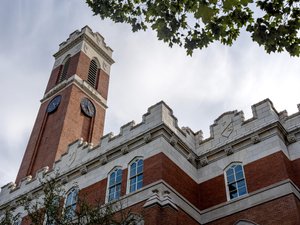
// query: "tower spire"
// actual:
[[74, 102]]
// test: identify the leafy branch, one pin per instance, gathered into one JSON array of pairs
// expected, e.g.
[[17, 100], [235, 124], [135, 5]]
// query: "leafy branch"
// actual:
[[196, 24]]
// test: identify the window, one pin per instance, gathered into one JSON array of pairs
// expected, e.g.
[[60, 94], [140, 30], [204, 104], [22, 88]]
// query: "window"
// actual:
[[93, 73], [114, 185], [136, 175], [63, 74], [17, 219], [235, 181], [71, 200]]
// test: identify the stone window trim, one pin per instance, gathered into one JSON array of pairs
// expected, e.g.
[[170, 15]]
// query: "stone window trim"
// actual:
[[135, 180], [71, 200], [118, 183], [235, 172]]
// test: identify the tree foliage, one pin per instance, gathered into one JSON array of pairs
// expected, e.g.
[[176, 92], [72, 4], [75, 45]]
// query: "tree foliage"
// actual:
[[193, 24], [47, 208]]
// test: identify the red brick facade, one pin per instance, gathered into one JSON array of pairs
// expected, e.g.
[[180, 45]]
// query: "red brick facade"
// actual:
[[212, 192], [52, 133], [282, 211]]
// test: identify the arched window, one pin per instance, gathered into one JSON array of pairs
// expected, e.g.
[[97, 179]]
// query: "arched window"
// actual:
[[136, 175], [114, 184], [93, 73], [71, 201], [235, 181], [63, 73]]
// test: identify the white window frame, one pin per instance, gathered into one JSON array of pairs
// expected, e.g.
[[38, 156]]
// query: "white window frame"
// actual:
[[108, 180], [128, 174], [226, 182]]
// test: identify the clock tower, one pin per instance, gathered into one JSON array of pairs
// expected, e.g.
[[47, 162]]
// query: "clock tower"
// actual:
[[74, 102]]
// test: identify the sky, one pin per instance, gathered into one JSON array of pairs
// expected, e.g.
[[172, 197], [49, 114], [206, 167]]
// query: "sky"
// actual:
[[198, 88]]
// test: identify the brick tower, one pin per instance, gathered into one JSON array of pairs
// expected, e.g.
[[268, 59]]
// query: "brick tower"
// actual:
[[74, 102]]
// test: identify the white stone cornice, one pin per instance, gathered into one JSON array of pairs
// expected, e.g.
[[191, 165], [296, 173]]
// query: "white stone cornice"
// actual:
[[83, 85]]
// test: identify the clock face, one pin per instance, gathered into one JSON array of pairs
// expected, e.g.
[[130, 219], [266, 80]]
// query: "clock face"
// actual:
[[87, 107], [53, 104]]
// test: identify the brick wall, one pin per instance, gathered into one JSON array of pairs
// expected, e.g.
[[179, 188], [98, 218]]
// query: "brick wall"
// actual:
[[267, 171], [259, 174], [281, 211], [161, 167], [212, 192], [94, 194], [103, 84], [52, 133]]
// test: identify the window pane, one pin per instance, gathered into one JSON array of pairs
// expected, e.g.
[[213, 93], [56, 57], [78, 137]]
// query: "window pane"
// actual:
[[140, 162], [239, 175], [69, 197], [230, 179], [74, 200], [232, 187], [112, 178], [238, 168], [119, 172], [241, 183], [111, 197], [229, 172], [233, 194], [139, 169], [140, 177], [118, 187], [132, 188], [242, 191], [133, 165], [132, 171], [139, 184], [132, 180], [119, 179], [117, 195]]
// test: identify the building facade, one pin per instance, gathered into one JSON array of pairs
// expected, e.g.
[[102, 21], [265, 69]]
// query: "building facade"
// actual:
[[247, 171]]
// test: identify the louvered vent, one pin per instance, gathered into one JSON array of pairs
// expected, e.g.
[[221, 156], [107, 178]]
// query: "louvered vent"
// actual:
[[92, 76], [64, 71]]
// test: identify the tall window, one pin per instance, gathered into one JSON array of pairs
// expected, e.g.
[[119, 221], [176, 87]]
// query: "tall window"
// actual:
[[93, 73], [114, 186], [136, 175], [235, 179], [71, 202], [63, 73], [18, 219]]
